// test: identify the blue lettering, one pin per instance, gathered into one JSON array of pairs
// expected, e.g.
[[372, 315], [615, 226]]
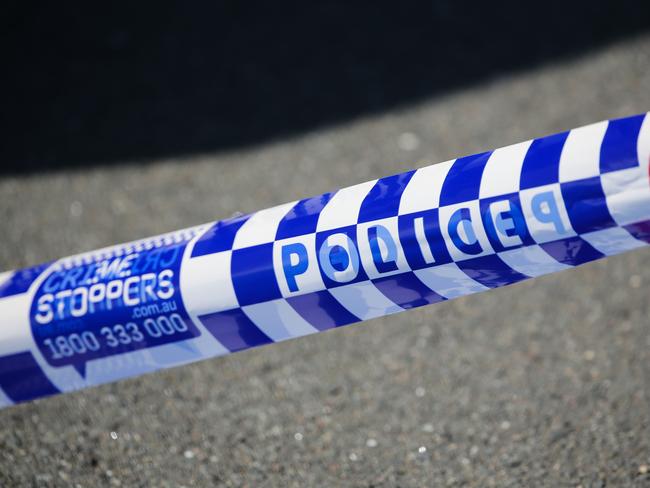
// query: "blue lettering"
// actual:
[[463, 216], [375, 234], [51, 285], [294, 263], [545, 210], [70, 278], [505, 224], [339, 258]]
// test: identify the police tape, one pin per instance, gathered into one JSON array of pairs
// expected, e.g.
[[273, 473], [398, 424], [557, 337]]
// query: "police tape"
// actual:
[[377, 248]]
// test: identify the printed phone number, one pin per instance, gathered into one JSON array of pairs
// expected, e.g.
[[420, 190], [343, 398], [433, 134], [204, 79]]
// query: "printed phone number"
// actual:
[[77, 343]]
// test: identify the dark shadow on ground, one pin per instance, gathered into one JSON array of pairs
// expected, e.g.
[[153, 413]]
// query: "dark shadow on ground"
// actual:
[[88, 85]]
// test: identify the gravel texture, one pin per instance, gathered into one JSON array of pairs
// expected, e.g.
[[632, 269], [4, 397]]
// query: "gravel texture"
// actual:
[[544, 383]]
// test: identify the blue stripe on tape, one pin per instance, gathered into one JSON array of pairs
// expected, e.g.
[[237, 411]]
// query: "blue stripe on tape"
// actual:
[[407, 291], [219, 237], [542, 162], [234, 329], [463, 180], [619, 150], [431, 239], [490, 271], [586, 205], [383, 200], [573, 251], [253, 276], [504, 222], [21, 280], [22, 379], [303, 217], [322, 310], [640, 230]]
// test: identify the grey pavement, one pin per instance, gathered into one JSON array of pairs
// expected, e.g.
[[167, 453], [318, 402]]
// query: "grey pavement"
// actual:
[[544, 383]]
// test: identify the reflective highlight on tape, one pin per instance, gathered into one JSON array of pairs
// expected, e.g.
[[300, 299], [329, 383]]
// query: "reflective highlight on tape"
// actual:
[[373, 249]]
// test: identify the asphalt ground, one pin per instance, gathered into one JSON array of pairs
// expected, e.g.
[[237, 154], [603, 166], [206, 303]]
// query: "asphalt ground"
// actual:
[[543, 383]]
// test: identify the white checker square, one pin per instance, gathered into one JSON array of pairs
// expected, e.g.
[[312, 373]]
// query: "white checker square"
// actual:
[[614, 240], [449, 281], [206, 283], [502, 171], [580, 156], [545, 213], [343, 208], [364, 300], [301, 273], [423, 190], [531, 261], [278, 320], [628, 194], [262, 226]]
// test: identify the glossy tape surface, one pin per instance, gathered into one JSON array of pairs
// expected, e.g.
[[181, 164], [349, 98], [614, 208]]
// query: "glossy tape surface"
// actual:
[[373, 249]]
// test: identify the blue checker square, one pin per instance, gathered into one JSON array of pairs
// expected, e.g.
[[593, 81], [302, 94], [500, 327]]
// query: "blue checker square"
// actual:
[[303, 217], [427, 222], [504, 222], [463, 180], [253, 276], [322, 310], [407, 291], [586, 205], [573, 251], [22, 378], [619, 150], [541, 165], [383, 200], [219, 237], [640, 230], [234, 329], [490, 271], [21, 280]]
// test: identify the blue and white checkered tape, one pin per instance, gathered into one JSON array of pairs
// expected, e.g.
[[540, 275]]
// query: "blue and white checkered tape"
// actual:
[[377, 248]]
